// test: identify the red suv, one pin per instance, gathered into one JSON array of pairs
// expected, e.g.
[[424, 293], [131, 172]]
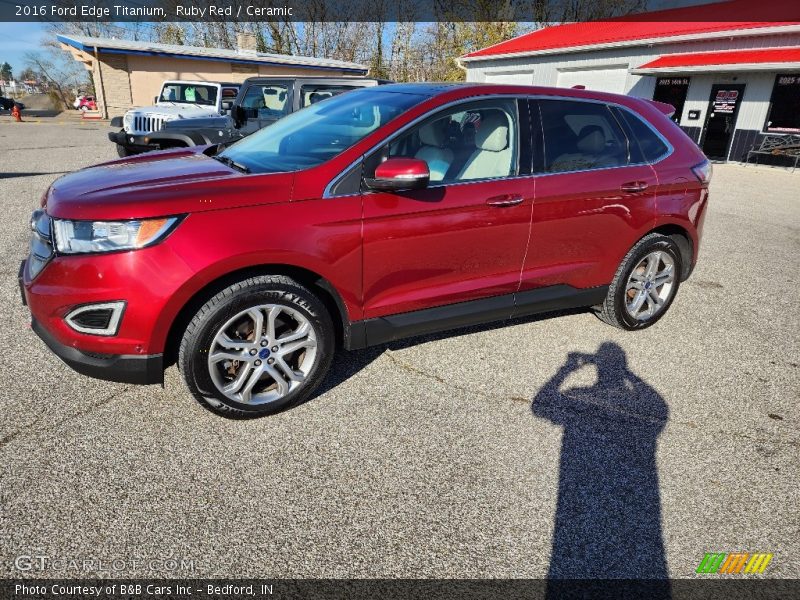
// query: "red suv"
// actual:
[[378, 214]]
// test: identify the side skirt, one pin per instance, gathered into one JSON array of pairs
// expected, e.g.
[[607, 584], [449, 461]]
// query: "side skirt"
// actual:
[[381, 330]]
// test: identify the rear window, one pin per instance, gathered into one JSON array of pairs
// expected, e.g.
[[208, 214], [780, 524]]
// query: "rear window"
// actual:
[[580, 136], [646, 145]]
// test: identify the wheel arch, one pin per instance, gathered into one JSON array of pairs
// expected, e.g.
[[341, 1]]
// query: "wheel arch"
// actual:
[[318, 284], [683, 239]]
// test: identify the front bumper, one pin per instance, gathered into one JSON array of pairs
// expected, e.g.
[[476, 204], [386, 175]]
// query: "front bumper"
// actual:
[[110, 367], [136, 143]]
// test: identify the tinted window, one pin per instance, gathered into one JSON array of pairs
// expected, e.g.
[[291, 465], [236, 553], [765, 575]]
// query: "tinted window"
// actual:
[[784, 110], [644, 141], [316, 134], [580, 136], [472, 141], [265, 101], [311, 94]]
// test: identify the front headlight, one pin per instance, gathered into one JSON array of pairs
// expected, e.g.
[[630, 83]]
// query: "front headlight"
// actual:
[[76, 237]]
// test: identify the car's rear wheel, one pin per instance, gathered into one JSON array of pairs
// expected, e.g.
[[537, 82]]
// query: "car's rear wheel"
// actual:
[[645, 284], [257, 347]]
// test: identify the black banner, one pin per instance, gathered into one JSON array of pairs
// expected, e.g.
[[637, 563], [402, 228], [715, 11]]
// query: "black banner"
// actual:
[[401, 589], [390, 10]]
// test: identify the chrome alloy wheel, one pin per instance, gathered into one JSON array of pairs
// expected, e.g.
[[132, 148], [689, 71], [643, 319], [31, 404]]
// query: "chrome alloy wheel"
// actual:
[[650, 285], [262, 354]]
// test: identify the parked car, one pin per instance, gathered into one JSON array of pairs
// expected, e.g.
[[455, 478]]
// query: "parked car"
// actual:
[[260, 102], [8, 103], [382, 213], [87, 103], [178, 101]]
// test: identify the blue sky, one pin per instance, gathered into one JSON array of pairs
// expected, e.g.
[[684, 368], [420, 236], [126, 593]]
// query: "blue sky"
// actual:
[[16, 39]]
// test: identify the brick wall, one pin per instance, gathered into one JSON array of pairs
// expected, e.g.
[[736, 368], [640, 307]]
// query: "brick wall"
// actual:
[[116, 90]]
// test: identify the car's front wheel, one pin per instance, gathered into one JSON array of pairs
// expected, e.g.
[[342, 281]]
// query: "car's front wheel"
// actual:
[[645, 284], [257, 347]]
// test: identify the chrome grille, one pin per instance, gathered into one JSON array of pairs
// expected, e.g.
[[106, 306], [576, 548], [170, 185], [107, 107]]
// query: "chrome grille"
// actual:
[[41, 247], [146, 124]]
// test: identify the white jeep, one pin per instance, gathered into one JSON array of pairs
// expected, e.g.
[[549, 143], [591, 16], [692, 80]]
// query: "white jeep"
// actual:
[[177, 100]]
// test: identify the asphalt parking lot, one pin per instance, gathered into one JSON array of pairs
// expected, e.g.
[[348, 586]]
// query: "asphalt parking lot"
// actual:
[[483, 453]]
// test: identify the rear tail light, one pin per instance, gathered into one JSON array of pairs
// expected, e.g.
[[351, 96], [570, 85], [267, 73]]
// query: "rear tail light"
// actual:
[[703, 171]]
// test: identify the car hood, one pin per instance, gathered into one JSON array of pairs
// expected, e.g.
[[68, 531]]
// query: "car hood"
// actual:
[[169, 109], [160, 184]]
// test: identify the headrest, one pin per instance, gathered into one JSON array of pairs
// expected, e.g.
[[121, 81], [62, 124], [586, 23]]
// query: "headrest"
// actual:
[[433, 134], [591, 140], [492, 134]]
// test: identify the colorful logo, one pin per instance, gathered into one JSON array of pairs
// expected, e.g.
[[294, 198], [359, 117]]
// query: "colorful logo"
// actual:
[[735, 562]]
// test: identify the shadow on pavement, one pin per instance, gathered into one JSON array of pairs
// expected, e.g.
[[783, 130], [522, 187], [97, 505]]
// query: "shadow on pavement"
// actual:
[[608, 516]]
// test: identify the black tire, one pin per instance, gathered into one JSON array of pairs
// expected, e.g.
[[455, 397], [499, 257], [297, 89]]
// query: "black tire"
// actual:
[[613, 310], [123, 152], [208, 321]]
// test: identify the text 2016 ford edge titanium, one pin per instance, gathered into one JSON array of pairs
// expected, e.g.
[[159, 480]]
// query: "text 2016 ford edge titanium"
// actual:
[[378, 214]]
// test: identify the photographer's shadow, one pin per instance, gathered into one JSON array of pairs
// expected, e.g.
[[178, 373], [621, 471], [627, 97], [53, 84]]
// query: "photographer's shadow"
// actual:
[[608, 517]]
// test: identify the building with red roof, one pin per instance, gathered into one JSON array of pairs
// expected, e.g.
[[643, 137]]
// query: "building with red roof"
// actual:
[[732, 76]]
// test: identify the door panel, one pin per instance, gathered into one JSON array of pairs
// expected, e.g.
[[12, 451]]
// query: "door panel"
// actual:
[[584, 223], [443, 245], [464, 237], [591, 204]]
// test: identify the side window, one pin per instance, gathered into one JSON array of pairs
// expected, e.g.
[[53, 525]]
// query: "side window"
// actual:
[[645, 143], [473, 141], [265, 101], [579, 136], [311, 94]]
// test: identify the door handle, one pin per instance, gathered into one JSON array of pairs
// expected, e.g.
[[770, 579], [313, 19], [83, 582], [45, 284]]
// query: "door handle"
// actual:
[[505, 200], [634, 186]]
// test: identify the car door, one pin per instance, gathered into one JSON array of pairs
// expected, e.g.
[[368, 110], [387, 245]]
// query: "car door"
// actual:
[[264, 103], [595, 196], [463, 238]]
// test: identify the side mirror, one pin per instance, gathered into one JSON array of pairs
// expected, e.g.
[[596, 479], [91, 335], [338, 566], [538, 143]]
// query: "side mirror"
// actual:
[[400, 174], [155, 99], [239, 115], [227, 105]]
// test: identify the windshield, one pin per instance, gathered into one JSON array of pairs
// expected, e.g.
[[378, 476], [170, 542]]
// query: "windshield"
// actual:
[[316, 134], [189, 93]]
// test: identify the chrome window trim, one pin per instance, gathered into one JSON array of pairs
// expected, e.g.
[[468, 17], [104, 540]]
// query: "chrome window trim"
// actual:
[[670, 148]]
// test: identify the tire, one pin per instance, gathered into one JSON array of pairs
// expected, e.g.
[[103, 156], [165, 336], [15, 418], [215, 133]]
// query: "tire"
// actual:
[[656, 293], [229, 318], [123, 152]]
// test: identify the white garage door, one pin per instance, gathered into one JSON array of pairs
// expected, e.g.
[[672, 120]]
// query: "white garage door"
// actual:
[[515, 77], [602, 80]]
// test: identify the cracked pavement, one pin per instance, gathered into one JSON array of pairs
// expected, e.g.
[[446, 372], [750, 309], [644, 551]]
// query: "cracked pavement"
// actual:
[[549, 445]]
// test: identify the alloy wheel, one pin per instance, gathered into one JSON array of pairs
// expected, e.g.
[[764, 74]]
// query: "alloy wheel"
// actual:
[[262, 354], [649, 285]]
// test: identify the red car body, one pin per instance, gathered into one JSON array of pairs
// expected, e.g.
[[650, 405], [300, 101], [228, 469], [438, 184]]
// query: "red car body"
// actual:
[[371, 254]]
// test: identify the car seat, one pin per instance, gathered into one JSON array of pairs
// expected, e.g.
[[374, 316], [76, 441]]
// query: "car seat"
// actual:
[[592, 152], [433, 138], [493, 153]]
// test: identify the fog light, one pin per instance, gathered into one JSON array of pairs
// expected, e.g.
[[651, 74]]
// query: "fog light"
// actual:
[[96, 319]]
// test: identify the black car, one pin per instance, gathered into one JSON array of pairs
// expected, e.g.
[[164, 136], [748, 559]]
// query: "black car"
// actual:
[[260, 102], [8, 103]]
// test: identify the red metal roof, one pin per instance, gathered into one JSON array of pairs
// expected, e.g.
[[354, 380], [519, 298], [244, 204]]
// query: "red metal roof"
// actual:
[[661, 25], [734, 57]]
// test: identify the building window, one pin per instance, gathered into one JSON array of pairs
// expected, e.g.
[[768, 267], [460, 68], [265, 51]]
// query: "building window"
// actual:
[[784, 108], [672, 91]]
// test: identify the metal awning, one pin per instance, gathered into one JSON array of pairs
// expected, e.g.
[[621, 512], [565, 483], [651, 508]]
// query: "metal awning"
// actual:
[[763, 59]]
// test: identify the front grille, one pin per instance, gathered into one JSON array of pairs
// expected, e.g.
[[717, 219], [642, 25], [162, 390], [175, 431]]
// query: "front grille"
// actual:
[[147, 124], [41, 247]]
